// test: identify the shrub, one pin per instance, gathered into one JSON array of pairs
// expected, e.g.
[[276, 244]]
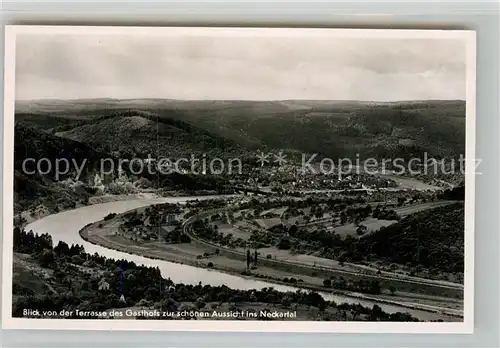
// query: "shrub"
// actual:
[[269, 256], [210, 265], [109, 216]]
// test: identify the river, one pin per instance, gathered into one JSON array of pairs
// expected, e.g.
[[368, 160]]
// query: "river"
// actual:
[[65, 226]]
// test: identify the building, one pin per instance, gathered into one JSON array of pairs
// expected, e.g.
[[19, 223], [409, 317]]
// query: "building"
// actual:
[[103, 285], [97, 183], [170, 219], [167, 229], [268, 223]]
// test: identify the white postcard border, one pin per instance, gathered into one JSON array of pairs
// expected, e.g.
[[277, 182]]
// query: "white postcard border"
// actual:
[[8, 322]]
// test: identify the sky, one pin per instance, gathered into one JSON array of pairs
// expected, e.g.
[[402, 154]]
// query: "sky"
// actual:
[[70, 66]]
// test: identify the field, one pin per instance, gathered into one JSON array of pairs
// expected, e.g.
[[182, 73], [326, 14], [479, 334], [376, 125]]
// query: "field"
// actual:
[[309, 269]]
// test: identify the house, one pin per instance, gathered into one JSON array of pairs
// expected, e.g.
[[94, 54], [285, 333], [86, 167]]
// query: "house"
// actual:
[[268, 223], [165, 230], [170, 219], [97, 183], [299, 220], [103, 285]]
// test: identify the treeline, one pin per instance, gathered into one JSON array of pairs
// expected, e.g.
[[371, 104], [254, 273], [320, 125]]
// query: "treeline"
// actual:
[[454, 194], [177, 137], [294, 204], [371, 287], [71, 287], [432, 239], [205, 231], [33, 188], [385, 214], [36, 144]]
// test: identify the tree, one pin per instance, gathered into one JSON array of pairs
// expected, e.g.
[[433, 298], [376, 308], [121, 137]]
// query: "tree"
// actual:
[[361, 230], [374, 287], [285, 243], [368, 209], [343, 218], [376, 313], [46, 258], [401, 201], [248, 258], [286, 301], [255, 258]]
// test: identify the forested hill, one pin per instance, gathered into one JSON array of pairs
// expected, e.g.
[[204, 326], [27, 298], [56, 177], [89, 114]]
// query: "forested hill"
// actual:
[[137, 133], [431, 239], [42, 185], [35, 144], [330, 128], [36, 185]]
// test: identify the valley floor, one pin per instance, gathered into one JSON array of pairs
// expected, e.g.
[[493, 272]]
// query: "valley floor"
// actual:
[[444, 301]]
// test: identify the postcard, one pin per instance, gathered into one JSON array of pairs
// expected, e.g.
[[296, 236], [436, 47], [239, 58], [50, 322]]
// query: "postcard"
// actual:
[[239, 179]]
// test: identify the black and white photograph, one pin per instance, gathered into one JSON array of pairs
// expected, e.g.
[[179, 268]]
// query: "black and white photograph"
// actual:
[[239, 179]]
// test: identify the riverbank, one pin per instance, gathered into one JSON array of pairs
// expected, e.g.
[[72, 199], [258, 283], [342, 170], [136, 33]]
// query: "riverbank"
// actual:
[[64, 226], [104, 233], [41, 211]]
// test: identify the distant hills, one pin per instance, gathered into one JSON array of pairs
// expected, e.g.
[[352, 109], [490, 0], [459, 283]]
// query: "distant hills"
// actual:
[[141, 133], [329, 128]]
